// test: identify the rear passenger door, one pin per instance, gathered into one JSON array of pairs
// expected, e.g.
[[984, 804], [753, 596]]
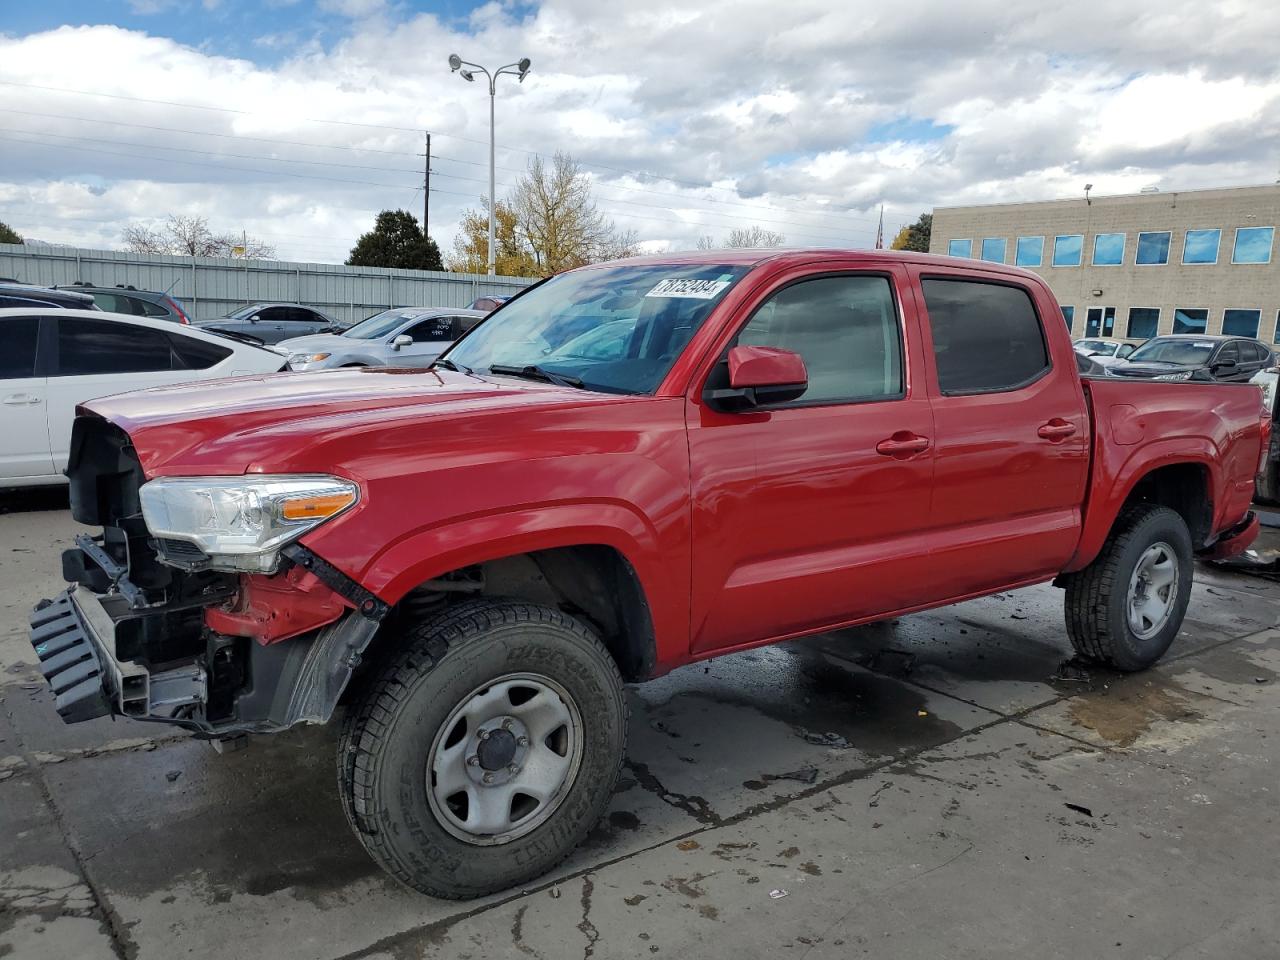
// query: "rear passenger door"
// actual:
[[24, 440], [1010, 434], [96, 358]]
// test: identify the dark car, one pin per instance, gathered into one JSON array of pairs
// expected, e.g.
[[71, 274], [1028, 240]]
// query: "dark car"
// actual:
[[133, 302], [487, 304], [14, 294], [1189, 356], [273, 322]]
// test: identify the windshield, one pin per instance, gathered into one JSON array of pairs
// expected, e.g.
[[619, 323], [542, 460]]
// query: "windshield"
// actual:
[[617, 329], [380, 324], [244, 313], [1184, 353]]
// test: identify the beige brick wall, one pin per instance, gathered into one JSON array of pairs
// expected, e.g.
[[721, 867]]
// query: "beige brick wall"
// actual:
[[1217, 287]]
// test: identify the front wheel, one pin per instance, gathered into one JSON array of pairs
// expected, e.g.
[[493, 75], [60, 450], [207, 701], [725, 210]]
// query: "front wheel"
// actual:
[[1125, 608], [485, 750]]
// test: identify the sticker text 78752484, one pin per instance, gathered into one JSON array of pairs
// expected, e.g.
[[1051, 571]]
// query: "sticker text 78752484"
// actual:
[[689, 289]]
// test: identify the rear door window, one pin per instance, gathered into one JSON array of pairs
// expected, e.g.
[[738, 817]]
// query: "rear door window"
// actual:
[[20, 336], [987, 337], [95, 347], [193, 354], [432, 330]]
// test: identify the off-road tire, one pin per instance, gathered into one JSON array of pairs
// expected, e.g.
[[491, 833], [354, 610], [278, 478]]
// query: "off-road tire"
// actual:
[[385, 743], [1096, 597]]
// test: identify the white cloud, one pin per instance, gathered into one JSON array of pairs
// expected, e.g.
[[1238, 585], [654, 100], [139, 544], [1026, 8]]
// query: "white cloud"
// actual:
[[695, 119]]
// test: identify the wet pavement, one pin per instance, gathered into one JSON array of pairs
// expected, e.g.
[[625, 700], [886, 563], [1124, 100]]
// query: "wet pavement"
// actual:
[[936, 786]]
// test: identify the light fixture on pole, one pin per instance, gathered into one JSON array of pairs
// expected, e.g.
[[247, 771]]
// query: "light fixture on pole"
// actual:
[[468, 72]]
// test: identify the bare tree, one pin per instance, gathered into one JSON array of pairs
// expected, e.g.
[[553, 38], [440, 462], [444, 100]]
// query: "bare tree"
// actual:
[[191, 237], [754, 236], [557, 219], [706, 242]]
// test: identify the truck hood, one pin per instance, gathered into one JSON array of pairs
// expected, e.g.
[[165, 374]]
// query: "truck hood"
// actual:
[[277, 422]]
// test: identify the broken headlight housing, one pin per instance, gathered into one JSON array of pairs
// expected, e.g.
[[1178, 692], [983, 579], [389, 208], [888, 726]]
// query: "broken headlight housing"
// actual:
[[240, 523]]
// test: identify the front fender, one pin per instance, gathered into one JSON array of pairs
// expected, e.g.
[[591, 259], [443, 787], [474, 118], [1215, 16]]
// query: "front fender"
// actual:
[[427, 553]]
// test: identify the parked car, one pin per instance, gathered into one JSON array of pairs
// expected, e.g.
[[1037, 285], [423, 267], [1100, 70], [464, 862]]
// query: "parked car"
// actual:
[[85, 354], [1267, 487], [1104, 351], [132, 301], [14, 294], [481, 554], [1187, 356], [487, 304], [273, 322], [404, 337]]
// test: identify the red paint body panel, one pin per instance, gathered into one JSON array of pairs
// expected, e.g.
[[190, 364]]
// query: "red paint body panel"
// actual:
[[742, 528], [271, 609]]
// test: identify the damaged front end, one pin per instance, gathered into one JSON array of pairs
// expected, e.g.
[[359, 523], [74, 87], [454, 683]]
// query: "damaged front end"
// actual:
[[195, 606]]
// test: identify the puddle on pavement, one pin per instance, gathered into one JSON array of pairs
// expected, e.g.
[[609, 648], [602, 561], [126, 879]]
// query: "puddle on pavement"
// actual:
[[1124, 712]]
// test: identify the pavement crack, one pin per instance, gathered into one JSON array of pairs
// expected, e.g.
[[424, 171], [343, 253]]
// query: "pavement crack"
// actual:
[[696, 807], [585, 926], [517, 933]]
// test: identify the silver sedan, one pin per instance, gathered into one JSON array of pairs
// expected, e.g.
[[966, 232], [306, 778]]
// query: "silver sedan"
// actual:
[[402, 337]]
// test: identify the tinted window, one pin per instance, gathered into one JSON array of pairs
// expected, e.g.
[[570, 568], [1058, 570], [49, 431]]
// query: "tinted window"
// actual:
[[1030, 252], [99, 346], [1241, 323], [1229, 351], [196, 354], [1143, 322], [1153, 248], [1253, 245], [150, 309], [1201, 246], [846, 330], [432, 330], [115, 303], [1069, 315], [20, 336], [1190, 320], [986, 337]]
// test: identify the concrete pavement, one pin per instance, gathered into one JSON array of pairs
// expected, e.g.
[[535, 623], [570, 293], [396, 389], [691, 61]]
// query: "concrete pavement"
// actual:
[[923, 788]]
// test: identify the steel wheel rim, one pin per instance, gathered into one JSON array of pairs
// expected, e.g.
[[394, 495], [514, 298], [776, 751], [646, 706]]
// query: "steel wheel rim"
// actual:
[[504, 759], [1153, 591]]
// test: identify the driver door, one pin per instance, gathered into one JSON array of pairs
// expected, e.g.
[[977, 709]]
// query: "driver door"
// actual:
[[815, 513], [430, 337]]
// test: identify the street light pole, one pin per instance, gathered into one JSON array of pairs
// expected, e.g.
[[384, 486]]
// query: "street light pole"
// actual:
[[468, 72]]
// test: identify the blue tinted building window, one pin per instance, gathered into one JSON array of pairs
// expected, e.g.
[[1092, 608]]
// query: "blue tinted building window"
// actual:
[[1201, 246], [993, 249], [1030, 252], [1069, 315], [1241, 323], [1253, 245], [1190, 320], [1143, 323], [1067, 250], [960, 248], [1153, 248], [1108, 250]]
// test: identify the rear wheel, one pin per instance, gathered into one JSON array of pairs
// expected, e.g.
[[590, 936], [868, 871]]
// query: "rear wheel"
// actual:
[[485, 751], [1126, 607]]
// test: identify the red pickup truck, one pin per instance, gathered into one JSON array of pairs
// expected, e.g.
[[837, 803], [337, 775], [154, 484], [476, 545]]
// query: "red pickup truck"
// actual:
[[625, 468]]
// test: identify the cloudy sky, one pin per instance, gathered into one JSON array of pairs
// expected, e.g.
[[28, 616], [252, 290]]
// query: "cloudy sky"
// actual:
[[297, 120]]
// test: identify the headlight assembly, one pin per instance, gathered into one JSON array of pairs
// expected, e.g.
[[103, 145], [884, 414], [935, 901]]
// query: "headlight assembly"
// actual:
[[240, 523], [304, 358]]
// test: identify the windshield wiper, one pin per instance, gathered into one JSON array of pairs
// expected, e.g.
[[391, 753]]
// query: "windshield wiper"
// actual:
[[534, 372], [450, 365]]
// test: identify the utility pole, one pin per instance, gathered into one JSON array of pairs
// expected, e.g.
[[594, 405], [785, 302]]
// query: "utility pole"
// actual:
[[426, 184]]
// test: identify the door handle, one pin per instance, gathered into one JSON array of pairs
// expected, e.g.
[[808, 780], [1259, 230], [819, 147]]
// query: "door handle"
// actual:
[[902, 445], [1056, 429], [21, 400]]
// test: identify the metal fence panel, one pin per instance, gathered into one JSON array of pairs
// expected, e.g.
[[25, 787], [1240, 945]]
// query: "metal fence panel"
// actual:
[[214, 286]]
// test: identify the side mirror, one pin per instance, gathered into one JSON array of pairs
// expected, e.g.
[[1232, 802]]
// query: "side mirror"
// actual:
[[401, 341], [1224, 365], [255, 319], [759, 376]]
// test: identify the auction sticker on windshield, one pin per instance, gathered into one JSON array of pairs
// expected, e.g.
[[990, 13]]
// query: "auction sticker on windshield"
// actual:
[[688, 289]]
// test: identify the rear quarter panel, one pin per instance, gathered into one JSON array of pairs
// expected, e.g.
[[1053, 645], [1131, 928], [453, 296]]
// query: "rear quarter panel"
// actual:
[[1140, 426]]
